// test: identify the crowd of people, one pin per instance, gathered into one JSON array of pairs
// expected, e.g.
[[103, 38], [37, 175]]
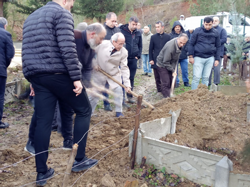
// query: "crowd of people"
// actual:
[[61, 63]]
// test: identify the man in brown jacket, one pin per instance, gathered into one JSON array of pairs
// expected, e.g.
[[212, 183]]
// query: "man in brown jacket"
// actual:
[[167, 60], [111, 58]]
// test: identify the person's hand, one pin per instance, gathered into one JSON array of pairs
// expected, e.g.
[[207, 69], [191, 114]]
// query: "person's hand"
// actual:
[[216, 63], [174, 74], [247, 54], [191, 60], [243, 54], [32, 92], [128, 90], [136, 58], [96, 68], [152, 62], [78, 87]]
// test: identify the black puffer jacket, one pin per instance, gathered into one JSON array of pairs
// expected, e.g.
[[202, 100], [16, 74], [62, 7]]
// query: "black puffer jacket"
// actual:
[[173, 34], [49, 44], [133, 42], [6, 50], [110, 31]]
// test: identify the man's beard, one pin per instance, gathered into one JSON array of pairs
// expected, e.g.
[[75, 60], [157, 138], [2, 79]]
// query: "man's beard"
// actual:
[[92, 43]]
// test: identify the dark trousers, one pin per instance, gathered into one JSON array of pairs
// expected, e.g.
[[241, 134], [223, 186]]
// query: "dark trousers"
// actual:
[[65, 125], [49, 89], [105, 94], [2, 91], [157, 79], [166, 81], [132, 65]]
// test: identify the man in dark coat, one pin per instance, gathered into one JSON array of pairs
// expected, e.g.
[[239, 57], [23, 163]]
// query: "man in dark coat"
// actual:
[[157, 42], [111, 20], [133, 42], [7, 52], [177, 29], [204, 52], [51, 64], [223, 39]]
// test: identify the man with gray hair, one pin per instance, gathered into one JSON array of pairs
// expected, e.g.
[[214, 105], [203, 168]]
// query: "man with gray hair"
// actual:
[[167, 62], [51, 64], [82, 26], [111, 58], [7, 52]]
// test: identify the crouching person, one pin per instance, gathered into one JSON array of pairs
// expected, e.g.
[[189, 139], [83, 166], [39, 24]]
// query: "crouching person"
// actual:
[[111, 58]]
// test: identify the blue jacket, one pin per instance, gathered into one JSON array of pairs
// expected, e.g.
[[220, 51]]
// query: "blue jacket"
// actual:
[[223, 39], [133, 42], [49, 43], [205, 43], [7, 50], [173, 34]]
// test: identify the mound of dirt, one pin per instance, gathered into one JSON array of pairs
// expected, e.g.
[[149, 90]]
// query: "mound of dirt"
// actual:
[[212, 120]]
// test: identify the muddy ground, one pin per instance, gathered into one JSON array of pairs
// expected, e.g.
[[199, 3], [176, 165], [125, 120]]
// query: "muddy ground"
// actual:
[[207, 120]]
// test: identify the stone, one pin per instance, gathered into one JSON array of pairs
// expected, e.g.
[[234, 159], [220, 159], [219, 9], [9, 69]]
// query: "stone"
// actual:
[[173, 122], [144, 185], [248, 111], [107, 181], [222, 171]]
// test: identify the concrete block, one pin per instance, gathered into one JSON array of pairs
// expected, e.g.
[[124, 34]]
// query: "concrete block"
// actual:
[[138, 153], [213, 87], [223, 168], [239, 180], [197, 166], [248, 111], [232, 90]]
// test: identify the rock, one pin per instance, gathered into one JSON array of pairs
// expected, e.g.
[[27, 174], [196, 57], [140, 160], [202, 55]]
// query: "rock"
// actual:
[[108, 181], [182, 179], [144, 185]]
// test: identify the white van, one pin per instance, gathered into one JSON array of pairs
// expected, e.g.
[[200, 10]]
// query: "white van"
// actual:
[[225, 22]]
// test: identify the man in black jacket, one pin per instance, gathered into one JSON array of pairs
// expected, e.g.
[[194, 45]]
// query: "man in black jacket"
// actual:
[[51, 64], [133, 42], [157, 42], [177, 29], [7, 52], [223, 39], [204, 52], [111, 20]]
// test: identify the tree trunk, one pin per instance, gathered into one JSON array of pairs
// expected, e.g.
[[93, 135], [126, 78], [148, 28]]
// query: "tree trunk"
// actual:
[[1, 8], [100, 19]]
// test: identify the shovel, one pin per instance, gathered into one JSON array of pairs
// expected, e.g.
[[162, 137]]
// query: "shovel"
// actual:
[[173, 82], [133, 93]]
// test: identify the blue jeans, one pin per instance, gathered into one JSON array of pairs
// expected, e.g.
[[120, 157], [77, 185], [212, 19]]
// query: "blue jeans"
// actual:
[[184, 70], [201, 69], [146, 64]]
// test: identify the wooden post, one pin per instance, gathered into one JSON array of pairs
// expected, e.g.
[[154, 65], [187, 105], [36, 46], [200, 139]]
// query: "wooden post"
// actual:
[[69, 166], [137, 122], [173, 82]]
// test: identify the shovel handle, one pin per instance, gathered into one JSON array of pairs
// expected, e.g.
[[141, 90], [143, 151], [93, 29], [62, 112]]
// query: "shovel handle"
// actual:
[[133, 93]]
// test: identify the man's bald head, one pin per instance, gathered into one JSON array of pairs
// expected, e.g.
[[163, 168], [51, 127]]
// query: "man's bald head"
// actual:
[[118, 40]]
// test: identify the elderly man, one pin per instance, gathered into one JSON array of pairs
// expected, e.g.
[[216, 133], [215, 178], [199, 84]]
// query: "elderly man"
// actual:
[[111, 58], [134, 48], [167, 62], [204, 52], [7, 52], [146, 36], [51, 64], [111, 20], [223, 39]]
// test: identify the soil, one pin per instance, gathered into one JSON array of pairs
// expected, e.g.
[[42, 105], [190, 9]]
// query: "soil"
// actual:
[[208, 120]]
